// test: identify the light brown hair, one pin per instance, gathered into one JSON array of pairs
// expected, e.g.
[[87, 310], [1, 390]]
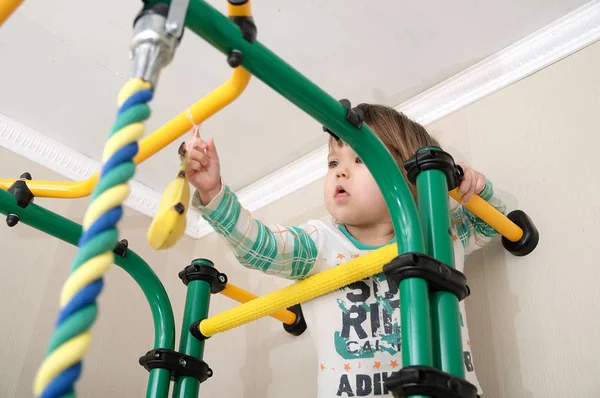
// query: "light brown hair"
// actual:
[[401, 135]]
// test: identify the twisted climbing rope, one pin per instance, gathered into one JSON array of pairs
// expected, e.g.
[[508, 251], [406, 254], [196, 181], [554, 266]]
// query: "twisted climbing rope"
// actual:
[[78, 309]]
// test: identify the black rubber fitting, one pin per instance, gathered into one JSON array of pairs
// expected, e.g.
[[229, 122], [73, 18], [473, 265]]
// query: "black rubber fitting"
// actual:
[[180, 365], [152, 8], [428, 381], [247, 26], [355, 116], [195, 331], [12, 220], [121, 248], [433, 158], [21, 191], [235, 58], [440, 276], [299, 325], [204, 272], [530, 238]]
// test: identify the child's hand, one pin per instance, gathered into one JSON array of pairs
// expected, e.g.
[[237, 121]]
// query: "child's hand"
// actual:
[[204, 171], [472, 183]]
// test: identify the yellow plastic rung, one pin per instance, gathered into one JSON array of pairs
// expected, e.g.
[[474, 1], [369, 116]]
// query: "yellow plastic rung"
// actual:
[[307, 289], [491, 216], [242, 296]]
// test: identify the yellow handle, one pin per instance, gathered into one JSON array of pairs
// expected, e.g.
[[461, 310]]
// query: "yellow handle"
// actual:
[[169, 132], [242, 296], [307, 289], [7, 7], [490, 215]]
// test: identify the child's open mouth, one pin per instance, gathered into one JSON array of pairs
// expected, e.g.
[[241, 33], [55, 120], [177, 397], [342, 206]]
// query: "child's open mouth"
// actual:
[[340, 194]]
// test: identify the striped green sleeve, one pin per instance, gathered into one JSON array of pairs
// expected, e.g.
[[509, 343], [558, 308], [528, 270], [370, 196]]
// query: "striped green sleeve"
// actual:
[[474, 233], [286, 251]]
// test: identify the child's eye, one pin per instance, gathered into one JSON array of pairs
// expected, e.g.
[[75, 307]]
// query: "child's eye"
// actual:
[[358, 160], [332, 164]]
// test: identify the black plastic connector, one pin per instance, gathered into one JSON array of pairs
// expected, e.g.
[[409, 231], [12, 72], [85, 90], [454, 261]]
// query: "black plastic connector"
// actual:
[[21, 191], [355, 116], [440, 277], [530, 238], [433, 158], [247, 26], [208, 273], [23, 196], [299, 326], [179, 364], [152, 8], [195, 331], [121, 248], [235, 58], [427, 381]]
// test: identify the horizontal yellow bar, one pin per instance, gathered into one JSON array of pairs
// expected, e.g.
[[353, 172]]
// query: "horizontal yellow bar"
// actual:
[[302, 291], [159, 139], [490, 215], [7, 7], [242, 296]]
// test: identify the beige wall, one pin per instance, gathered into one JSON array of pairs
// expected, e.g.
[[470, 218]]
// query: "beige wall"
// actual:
[[533, 321]]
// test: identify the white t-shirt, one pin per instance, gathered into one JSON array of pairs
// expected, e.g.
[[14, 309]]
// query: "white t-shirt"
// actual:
[[356, 330]]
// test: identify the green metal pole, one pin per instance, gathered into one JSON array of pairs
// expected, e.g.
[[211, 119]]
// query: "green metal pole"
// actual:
[[432, 195], [197, 301], [162, 313], [225, 36]]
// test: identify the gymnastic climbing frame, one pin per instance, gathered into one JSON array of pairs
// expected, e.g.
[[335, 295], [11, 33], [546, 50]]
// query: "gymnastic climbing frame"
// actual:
[[421, 262]]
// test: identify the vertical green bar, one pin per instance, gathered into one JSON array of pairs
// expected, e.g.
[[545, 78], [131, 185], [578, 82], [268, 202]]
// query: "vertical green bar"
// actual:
[[432, 196], [197, 301]]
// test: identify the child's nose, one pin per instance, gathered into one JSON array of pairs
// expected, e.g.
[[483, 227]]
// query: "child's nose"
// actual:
[[342, 172]]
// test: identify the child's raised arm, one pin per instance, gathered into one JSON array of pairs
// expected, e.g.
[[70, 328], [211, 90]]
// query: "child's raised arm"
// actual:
[[289, 252], [285, 251]]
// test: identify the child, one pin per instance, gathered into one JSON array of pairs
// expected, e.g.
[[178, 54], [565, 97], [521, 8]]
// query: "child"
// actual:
[[356, 329]]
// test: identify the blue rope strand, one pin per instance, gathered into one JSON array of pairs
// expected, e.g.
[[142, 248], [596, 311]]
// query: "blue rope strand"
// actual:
[[141, 97], [82, 298], [63, 383], [102, 224], [123, 155]]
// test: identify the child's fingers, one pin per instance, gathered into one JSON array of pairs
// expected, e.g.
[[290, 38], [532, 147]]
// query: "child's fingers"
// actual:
[[211, 149], [466, 181], [480, 183], [197, 154], [195, 165]]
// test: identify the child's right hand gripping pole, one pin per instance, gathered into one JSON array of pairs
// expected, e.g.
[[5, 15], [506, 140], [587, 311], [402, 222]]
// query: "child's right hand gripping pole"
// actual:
[[519, 235]]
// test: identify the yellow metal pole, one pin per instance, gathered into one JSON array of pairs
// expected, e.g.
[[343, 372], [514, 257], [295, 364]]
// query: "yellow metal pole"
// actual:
[[169, 132], [7, 7], [490, 215], [304, 290], [242, 296]]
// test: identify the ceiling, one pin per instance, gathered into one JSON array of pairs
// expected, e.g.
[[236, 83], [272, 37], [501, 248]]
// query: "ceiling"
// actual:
[[64, 61]]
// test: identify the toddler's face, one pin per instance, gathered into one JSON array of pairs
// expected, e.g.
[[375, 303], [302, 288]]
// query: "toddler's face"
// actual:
[[352, 196]]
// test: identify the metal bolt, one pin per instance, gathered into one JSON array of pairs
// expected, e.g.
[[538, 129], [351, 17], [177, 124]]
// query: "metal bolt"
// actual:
[[183, 362], [222, 278], [209, 372], [171, 27], [157, 355]]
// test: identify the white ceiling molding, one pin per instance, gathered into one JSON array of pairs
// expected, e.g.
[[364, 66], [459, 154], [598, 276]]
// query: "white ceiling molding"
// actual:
[[535, 52], [548, 45]]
